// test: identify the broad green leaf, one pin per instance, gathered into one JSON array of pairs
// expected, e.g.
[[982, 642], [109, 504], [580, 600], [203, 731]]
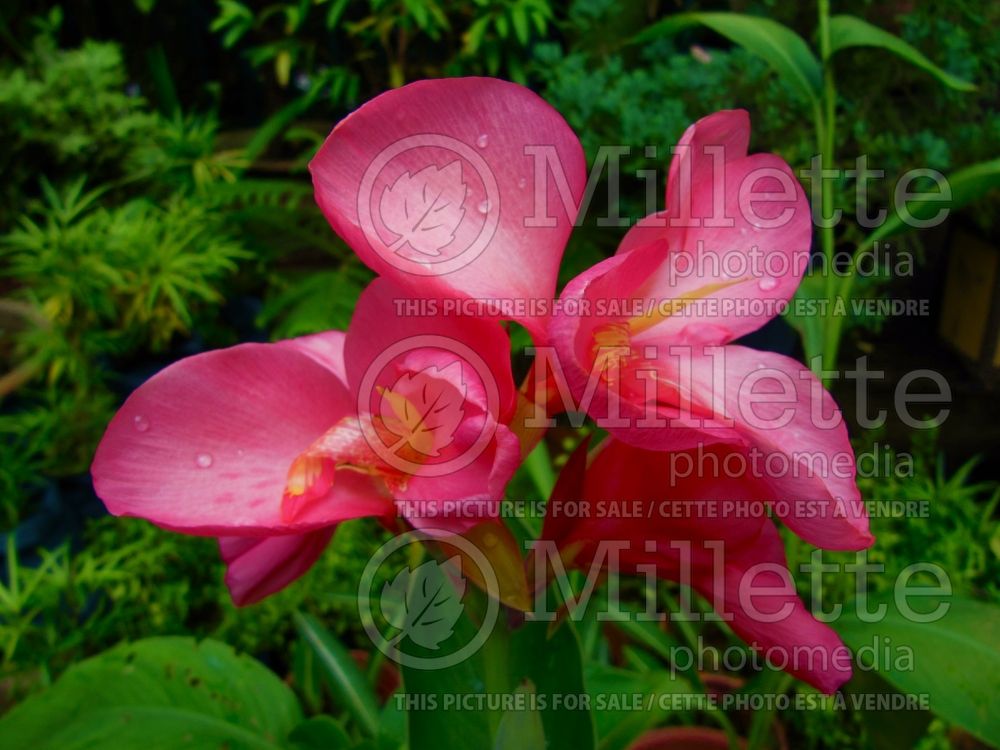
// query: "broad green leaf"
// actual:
[[618, 725], [343, 676], [430, 722], [966, 185], [158, 694], [777, 45], [552, 663], [319, 733], [521, 728], [956, 660], [851, 31], [886, 730]]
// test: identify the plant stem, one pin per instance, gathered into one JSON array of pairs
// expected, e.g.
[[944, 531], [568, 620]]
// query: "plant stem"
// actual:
[[826, 135]]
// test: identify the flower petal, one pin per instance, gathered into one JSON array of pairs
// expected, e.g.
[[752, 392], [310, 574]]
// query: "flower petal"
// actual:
[[696, 528], [789, 426], [373, 347], [733, 242], [450, 232], [327, 348], [204, 446], [260, 566]]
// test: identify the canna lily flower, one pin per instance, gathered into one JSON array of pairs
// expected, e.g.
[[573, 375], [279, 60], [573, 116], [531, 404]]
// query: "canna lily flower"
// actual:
[[660, 368], [270, 446], [718, 545], [434, 186]]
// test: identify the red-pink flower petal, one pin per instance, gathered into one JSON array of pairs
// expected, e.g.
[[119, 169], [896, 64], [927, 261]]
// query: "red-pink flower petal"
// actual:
[[729, 250], [758, 592], [450, 165], [326, 348], [374, 346], [773, 408], [205, 445], [260, 566], [685, 522]]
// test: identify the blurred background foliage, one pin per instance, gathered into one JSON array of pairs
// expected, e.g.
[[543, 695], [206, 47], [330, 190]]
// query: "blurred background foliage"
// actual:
[[155, 203]]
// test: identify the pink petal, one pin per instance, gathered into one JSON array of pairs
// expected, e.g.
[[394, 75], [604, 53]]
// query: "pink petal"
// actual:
[[788, 423], [733, 279], [724, 281], [327, 348], [259, 567], [774, 621], [471, 492], [728, 131], [487, 246], [205, 445], [759, 594], [380, 338]]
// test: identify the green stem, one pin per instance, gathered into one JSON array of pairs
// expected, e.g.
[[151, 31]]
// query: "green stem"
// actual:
[[827, 138]]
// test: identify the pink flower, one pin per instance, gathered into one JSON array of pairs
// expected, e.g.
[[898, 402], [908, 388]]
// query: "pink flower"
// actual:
[[264, 445], [687, 529], [269, 446], [434, 185], [718, 263]]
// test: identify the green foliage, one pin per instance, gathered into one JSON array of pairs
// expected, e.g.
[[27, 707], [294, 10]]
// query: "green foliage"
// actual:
[[67, 111], [159, 693], [131, 580], [136, 271]]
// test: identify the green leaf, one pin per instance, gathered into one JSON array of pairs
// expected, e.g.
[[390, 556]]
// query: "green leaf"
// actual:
[[886, 730], [551, 662], [777, 45], [521, 729], [538, 464], [429, 722], [319, 733], [343, 676], [809, 323], [955, 661], [967, 185], [432, 603], [158, 693], [618, 725], [851, 31]]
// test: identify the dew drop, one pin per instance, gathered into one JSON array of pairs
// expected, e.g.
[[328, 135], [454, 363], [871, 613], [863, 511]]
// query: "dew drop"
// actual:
[[761, 365], [484, 207], [767, 283], [140, 423], [483, 140], [522, 183], [203, 460]]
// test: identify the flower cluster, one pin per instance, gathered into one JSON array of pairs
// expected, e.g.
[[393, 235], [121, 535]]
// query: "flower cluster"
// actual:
[[462, 190]]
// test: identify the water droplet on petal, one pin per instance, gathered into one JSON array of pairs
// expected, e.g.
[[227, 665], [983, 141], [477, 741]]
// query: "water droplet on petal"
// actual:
[[140, 423], [203, 460], [522, 183], [484, 207], [767, 283], [483, 140], [761, 365]]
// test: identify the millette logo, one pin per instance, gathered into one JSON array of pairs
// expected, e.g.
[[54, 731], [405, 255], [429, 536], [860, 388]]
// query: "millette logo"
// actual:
[[429, 204]]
